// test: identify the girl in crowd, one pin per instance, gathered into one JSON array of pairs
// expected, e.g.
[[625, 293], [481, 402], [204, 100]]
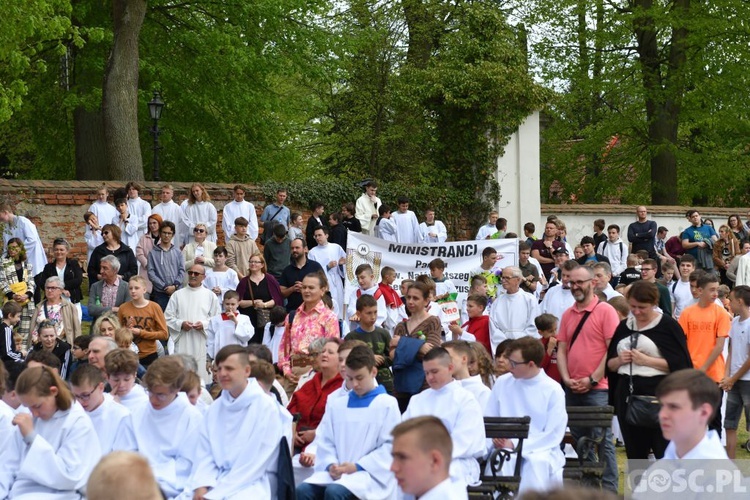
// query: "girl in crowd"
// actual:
[[199, 210], [57, 447], [725, 249], [145, 245], [481, 364]]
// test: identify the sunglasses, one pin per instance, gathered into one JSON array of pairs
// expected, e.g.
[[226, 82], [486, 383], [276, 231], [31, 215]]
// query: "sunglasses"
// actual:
[[196, 230], [105, 232], [194, 273]]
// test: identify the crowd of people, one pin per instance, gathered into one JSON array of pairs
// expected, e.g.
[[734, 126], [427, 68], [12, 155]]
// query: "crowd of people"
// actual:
[[244, 367]]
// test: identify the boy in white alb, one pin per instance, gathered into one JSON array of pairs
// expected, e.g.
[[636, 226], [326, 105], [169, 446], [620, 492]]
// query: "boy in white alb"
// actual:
[[367, 286], [528, 391], [407, 225], [112, 421], [354, 438], [240, 415], [229, 327], [221, 278], [127, 222], [239, 208], [459, 411], [737, 380], [385, 226], [461, 354], [138, 207], [121, 366]]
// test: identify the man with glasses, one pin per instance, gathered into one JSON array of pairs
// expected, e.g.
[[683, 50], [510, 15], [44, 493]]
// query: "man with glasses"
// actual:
[[166, 268], [648, 273], [585, 332], [187, 314], [512, 313], [112, 421], [530, 392]]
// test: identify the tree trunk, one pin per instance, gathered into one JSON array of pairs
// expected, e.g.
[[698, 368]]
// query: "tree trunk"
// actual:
[[120, 94], [91, 158]]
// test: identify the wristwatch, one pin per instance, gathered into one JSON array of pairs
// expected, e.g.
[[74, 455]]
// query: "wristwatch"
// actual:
[[593, 382]]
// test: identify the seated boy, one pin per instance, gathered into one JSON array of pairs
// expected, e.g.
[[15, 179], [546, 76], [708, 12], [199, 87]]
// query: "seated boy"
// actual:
[[459, 411], [112, 421], [229, 327], [354, 438], [461, 355], [80, 352], [367, 286], [377, 338], [121, 366]]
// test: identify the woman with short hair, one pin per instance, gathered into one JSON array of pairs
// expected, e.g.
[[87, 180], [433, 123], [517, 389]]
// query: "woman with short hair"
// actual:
[[57, 310], [17, 283]]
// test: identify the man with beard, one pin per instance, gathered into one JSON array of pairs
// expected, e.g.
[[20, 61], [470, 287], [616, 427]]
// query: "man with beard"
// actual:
[[291, 278]]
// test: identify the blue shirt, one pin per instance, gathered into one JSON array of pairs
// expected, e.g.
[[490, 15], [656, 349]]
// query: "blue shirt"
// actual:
[[695, 234], [282, 216]]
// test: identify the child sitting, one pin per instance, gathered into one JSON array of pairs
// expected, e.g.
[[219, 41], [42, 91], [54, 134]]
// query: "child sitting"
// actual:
[[80, 352], [462, 354], [221, 278], [546, 325], [10, 354], [121, 366], [229, 327], [377, 338]]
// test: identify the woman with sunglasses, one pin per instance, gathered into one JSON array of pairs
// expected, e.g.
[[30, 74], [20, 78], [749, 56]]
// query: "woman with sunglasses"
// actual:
[[200, 250], [199, 209], [68, 270], [646, 347], [17, 283], [112, 245]]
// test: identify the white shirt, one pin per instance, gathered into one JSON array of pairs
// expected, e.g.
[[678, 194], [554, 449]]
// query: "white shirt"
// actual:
[[438, 228], [740, 338], [407, 227], [682, 297], [556, 301], [512, 317], [235, 209]]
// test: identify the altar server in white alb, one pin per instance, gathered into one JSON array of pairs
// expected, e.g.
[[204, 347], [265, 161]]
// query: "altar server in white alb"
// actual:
[[101, 207], [22, 228], [332, 258], [111, 420], [422, 450], [432, 231], [229, 327], [354, 438], [462, 354], [459, 411], [239, 208], [198, 209], [528, 391], [407, 225], [167, 430], [56, 446], [8, 452], [187, 315], [239, 443], [512, 313], [170, 211], [137, 206]]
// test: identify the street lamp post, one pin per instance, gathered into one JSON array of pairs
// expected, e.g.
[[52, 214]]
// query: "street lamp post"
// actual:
[[155, 107]]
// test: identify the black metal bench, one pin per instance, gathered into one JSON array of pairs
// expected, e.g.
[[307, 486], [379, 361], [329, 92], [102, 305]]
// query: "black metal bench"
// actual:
[[495, 483], [580, 470]]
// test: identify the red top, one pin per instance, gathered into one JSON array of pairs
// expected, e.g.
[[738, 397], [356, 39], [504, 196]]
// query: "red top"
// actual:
[[391, 296], [549, 363], [480, 328], [310, 400]]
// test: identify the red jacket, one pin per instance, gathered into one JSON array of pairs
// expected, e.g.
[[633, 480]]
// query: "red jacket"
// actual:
[[549, 363], [310, 400], [480, 328]]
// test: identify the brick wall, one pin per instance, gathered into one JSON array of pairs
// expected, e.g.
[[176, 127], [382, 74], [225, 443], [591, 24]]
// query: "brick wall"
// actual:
[[57, 207]]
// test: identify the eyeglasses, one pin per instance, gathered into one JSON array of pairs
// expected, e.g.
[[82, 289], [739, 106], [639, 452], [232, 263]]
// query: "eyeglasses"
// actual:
[[514, 363], [161, 396], [84, 396], [508, 278], [105, 232], [196, 230], [194, 273], [52, 288], [579, 282]]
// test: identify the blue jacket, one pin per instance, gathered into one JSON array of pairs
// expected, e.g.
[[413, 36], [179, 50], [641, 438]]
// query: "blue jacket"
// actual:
[[408, 374]]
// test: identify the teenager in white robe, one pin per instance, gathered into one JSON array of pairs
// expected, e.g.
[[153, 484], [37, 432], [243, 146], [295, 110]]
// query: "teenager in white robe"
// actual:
[[239, 208], [168, 210], [459, 411], [351, 307], [407, 225], [461, 354], [385, 229], [129, 230], [57, 447], [557, 300], [192, 306], [224, 280], [528, 391], [355, 433], [140, 208], [167, 435], [332, 258], [8, 446], [240, 415], [223, 331], [512, 313], [135, 399], [437, 228], [104, 211]]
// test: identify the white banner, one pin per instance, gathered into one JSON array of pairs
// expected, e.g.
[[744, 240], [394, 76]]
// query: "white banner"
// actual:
[[409, 261]]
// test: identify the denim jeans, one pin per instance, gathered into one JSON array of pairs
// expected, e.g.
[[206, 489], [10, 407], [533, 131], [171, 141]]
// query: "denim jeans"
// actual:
[[610, 478], [307, 491]]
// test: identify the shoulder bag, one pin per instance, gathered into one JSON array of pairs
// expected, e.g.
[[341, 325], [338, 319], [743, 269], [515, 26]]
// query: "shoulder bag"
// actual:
[[641, 411]]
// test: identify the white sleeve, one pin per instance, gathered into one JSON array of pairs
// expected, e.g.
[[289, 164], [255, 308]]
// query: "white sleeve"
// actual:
[[252, 227]]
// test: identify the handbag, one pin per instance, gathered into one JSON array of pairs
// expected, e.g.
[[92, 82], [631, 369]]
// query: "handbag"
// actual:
[[263, 316], [641, 411]]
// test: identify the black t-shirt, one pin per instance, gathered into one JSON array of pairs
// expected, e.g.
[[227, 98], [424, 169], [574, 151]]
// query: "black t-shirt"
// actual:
[[629, 275], [292, 274]]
